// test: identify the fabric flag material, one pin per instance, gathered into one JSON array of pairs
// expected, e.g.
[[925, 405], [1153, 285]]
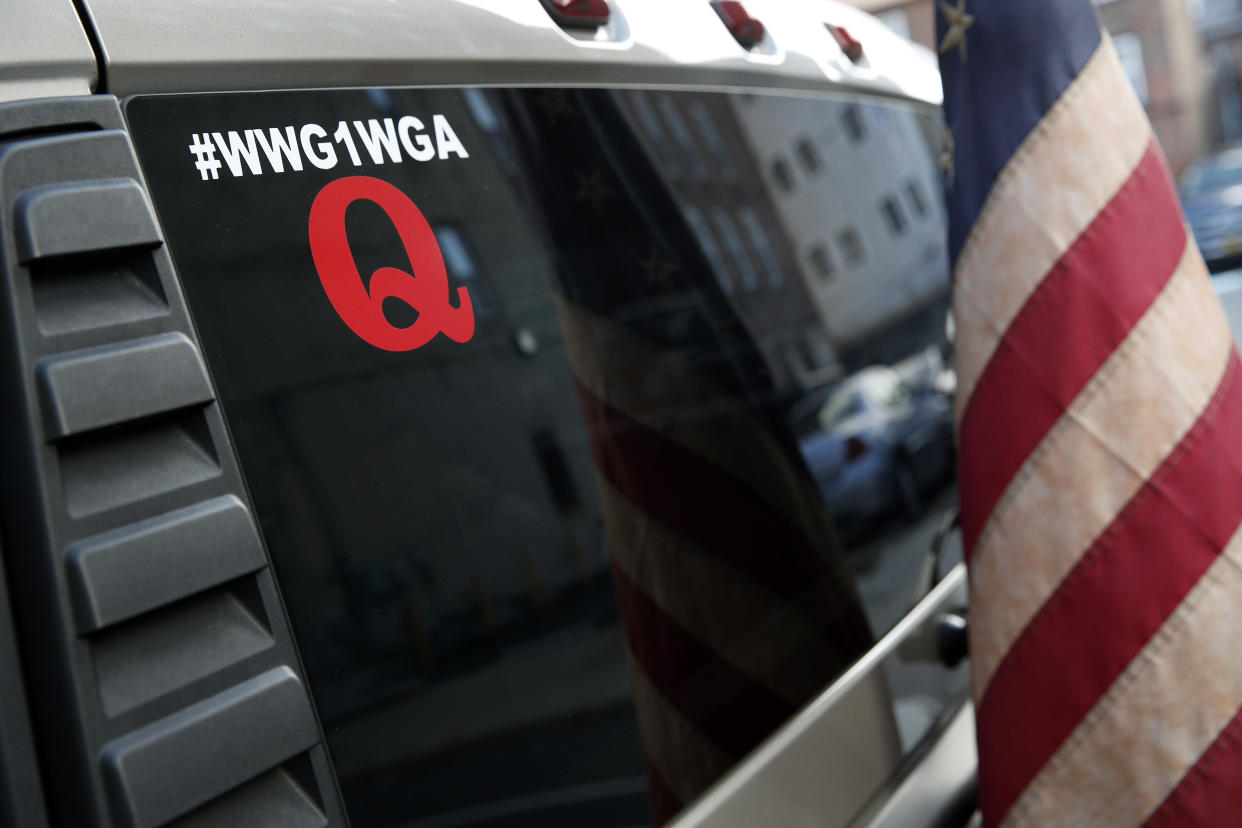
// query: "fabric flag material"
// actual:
[[1099, 413]]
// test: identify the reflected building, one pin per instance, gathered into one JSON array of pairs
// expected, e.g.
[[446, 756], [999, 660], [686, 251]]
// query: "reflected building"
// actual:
[[827, 284], [581, 550], [871, 245], [703, 154]]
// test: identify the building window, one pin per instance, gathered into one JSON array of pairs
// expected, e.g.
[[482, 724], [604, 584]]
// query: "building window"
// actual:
[[782, 174], [484, 115], [807, 154], [1130, 50], [897, 20], [893, 216], [737, 250], [915, 195], [463, 265], [703, 234], [1228, 100], [711, 136], [851, 246], [763, 246], [851, 116], [457, 258], [821, 262], [681, 133], [655, 133]]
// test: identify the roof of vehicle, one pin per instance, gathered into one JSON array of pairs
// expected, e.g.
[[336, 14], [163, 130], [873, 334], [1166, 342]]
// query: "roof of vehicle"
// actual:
[[221, 45]]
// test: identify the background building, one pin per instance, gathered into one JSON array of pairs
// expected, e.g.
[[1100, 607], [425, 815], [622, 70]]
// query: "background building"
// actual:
[[1161, 48], [701, 146], [1220, 22], [870, 266]]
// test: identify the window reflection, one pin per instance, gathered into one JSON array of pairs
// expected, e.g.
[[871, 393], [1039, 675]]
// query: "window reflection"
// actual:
[[681, 133], [808, 155], [782, 175], [763, 245], [851, 246], [685, 473], [851, 116], [721, 156], [736, 247], [821, 260], [915, 194], [893, 217]]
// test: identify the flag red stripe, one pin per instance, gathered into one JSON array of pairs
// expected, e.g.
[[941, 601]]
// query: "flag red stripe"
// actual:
[[726, 705], [1209, 794], [1113, 601], [704, 503], [1068, 328]]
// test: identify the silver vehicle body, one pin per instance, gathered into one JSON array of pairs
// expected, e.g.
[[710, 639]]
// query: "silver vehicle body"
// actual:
[[837, 762]]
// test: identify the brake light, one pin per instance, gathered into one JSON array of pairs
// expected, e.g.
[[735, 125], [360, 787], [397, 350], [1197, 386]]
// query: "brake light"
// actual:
[[578, 13], [745, 29], [849, 45], [854, 448]]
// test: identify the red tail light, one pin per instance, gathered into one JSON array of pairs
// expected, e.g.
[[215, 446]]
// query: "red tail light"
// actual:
[[854, 448], [852, 48], [745, 29], [578, 13]]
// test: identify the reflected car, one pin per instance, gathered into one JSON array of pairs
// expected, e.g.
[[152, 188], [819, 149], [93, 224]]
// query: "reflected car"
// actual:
[[1211, 193], [877, 444]]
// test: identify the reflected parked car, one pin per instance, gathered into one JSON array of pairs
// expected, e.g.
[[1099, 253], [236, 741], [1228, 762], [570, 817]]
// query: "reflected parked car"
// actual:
[[876, 444], [1211, 192]]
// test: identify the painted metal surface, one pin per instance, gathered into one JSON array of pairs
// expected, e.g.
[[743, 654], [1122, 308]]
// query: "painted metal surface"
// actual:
[[205, 45], [801, 775], [44, 51]]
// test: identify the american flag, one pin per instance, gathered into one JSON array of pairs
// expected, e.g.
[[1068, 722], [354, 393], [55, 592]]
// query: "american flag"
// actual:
[[1098, 409]]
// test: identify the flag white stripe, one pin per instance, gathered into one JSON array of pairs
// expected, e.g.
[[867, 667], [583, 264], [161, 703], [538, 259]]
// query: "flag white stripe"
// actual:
[[1117, 432], [1156, 720], [1069, 168]]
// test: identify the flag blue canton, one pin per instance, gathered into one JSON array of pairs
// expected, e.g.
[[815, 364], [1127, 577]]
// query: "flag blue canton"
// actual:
[[1020, 57]]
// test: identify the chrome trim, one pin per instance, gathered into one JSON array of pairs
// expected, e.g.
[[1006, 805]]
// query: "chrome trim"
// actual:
[[827, 762]]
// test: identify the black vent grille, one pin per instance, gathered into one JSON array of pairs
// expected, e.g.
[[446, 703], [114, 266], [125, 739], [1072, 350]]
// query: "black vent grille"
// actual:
[[159, 666]]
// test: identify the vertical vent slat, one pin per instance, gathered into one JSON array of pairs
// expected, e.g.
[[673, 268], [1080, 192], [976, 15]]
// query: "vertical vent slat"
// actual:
[[174, 765], [163, 675], [103, 386], [119, 574], [60, 219]]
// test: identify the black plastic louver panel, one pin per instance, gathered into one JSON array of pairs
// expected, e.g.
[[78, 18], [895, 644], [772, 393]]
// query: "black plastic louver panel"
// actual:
[[159, 667], [21, 796]]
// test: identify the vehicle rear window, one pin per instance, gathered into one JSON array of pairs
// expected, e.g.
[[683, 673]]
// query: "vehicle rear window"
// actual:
[[540, 428]]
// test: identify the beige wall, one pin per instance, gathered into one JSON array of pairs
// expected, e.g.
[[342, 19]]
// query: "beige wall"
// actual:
[[920, 15]]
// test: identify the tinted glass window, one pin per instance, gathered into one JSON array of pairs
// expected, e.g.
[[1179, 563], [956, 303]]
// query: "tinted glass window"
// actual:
[[851, 245], [738, 254], [821, 262], [851, 116], [892, 215], [915, 194], [808, 155], [711, 135], [565, 527], [763, 246], [782, 175]]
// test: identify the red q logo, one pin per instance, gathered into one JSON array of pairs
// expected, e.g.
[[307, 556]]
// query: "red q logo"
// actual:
[[427, 291]]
